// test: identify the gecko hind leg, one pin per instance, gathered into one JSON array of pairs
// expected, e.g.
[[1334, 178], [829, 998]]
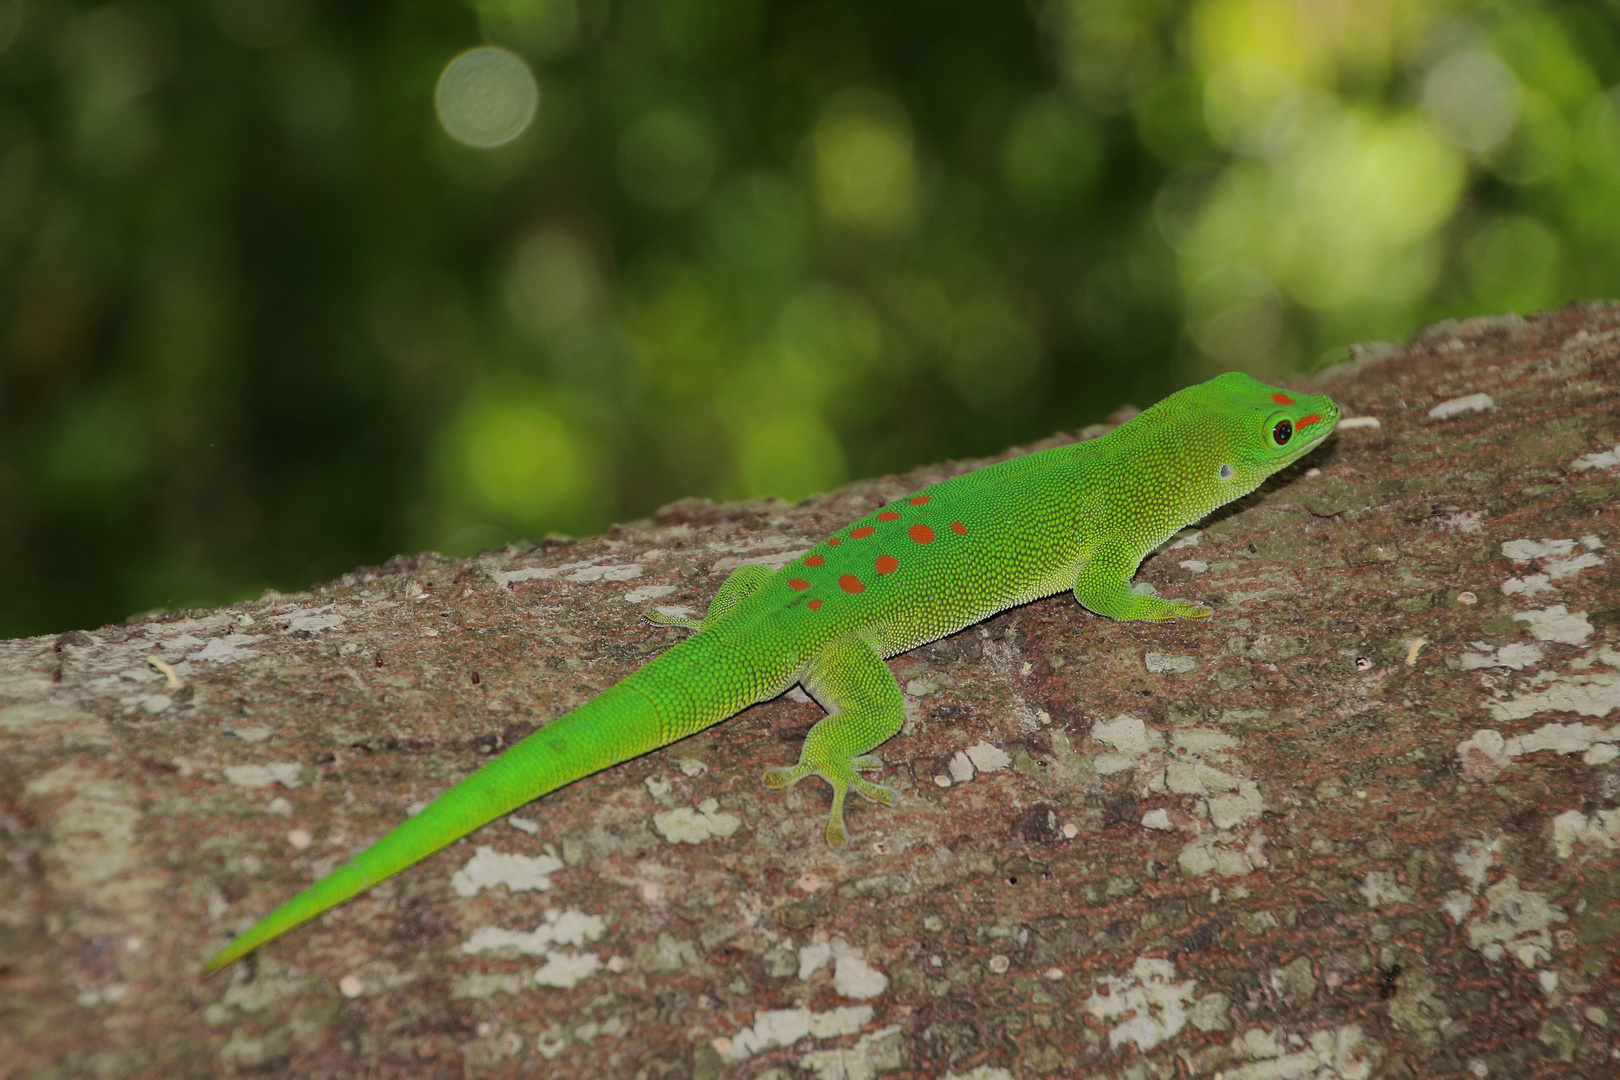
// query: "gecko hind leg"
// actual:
[[742, 583], [865, 709]]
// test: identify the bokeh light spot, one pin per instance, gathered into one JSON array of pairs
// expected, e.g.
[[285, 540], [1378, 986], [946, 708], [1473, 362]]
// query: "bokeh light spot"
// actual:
[[1051, 155], [865, 173], [555, 283], [1472, 99], [486, 97], [519, 458], [666, 158], [790, 457]]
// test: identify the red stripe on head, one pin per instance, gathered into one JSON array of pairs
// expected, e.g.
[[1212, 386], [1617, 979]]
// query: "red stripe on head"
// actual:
[[1282, 399], [1307, 421]]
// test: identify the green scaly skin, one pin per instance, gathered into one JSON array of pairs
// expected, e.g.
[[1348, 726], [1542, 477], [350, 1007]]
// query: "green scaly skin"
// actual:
[[1078, 517]]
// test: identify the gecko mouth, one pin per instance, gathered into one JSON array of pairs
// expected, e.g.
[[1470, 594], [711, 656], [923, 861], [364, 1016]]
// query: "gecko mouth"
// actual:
[[1314, 443]]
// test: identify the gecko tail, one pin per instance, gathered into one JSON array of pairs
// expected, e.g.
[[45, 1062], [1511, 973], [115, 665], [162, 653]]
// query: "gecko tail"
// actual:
[[618, 724]]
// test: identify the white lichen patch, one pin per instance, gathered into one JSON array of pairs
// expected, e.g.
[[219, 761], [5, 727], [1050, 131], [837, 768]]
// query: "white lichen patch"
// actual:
[[286, 773], [684, 825], [978, 758], [1603, 459], [1530, 550], [314, 623], [1223, 853], [93, 840], [228, 649], [1202, 741], [854, 978], [484, 985], [519, 873], [1331, 1054], [570, 927], [1380, 889], [1486, 753], [1127, 734], [784, 1027], [874, 1052], [1600, 830], [1196, 778], [1516, 656], [961, 767], [1558, 560], [1165, 664], [627, 572], [1229, 811], [1528, 585], [564, 970], [647, 592], [987, 758], [1515, 921], [1558, 624], [813, 957], [1596, 694], [1154, 1005]]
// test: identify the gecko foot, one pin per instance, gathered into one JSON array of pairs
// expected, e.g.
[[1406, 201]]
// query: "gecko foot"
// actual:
[[1171, 610], [842, 775]]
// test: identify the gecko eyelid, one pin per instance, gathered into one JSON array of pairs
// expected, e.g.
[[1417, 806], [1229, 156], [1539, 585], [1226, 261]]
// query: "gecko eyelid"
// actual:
[[1226, 472]]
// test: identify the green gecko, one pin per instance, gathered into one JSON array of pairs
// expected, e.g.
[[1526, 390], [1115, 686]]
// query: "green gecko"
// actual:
[[1080, 517]]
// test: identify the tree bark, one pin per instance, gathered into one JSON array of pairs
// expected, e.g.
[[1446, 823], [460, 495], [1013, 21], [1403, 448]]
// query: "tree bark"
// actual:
[[1362, 822]]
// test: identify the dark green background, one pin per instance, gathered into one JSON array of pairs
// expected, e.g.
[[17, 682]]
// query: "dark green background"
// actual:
[[262, 319]]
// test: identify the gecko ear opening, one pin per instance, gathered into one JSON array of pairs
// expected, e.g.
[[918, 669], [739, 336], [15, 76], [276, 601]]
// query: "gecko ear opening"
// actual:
[[1226, 472]]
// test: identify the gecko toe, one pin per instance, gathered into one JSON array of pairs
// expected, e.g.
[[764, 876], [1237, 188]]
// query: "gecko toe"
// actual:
[[881, 794], [783, 777]]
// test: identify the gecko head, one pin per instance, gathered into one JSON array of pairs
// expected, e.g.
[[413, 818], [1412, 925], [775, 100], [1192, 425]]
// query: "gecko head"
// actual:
[[1260, 429]]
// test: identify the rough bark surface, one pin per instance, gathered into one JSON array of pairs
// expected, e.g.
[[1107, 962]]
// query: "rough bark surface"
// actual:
[[1361, 823]]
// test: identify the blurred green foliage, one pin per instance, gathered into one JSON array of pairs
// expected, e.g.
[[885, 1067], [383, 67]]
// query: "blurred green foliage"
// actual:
[[262, 318]]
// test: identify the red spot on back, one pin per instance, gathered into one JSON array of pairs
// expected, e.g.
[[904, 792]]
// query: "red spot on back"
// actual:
[[1307, 421], [814, 560], [1282, 399], [887, 564], [815, 605], [834, 542], [851, 584], [958, 528], [798, 584], [922, 534], [917, 500], [861, 533], [888, 515]]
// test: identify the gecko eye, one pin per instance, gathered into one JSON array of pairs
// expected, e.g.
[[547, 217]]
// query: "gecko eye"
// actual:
[[1226, 472], [1282, 432]]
